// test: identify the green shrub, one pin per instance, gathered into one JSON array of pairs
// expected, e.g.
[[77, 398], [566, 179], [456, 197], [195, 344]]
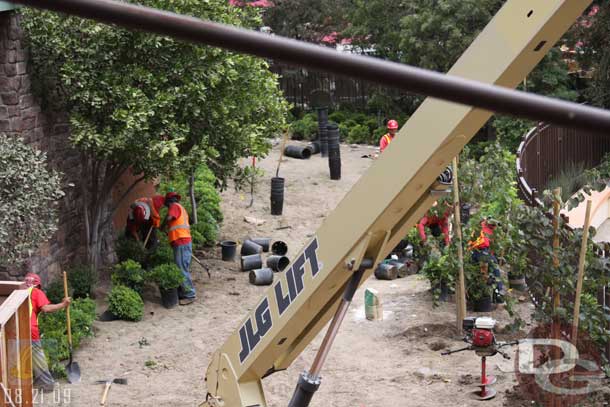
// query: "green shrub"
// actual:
[[125, 303], [306, 128], [130, 274], [358, 134], [162, 254], [53, 332], [130, 249], [167, 276], [343, 131], [207, 228], [378, 134], [360, 118], [55, 291], [337, 117], [81, 279], [371, 123]]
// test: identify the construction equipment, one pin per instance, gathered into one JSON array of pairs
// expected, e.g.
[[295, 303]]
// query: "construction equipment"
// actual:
[[72, 368], [481, 340], [395, 192], [107, 384]]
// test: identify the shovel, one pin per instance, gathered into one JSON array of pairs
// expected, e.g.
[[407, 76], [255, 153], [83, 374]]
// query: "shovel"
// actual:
[[107, 384], [72, 368]]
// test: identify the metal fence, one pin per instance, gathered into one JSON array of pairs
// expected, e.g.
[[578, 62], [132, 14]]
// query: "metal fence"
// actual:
[[298, 83], [547, 151]]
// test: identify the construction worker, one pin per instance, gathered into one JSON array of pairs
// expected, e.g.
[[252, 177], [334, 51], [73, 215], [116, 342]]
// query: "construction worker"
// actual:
[[387, 138], [438, 223], [179, 235], [481, 252], [40, 303], [143, 218]]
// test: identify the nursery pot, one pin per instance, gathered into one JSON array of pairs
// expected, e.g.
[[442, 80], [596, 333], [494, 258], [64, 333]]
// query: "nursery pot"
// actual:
[[249, 247], [251, 262], [229, 248], [403, 270], [277, 195], [169, 298], [483, 304], [277, 263], [314, 146], [517, 282], [264, 242], [302, 152], [262, 276], [386, 271], [279, 248]]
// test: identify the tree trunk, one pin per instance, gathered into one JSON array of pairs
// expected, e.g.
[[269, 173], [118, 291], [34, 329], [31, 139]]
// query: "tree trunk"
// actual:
[[193, 199]]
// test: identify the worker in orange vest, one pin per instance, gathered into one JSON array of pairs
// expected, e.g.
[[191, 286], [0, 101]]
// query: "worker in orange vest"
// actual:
[[179, 235], [387, 138], [142, 217], [40, 303]]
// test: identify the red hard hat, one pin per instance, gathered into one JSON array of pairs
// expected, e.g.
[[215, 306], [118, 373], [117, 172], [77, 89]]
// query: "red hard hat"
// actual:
[[33, 280], [158, 201], [392, 124]]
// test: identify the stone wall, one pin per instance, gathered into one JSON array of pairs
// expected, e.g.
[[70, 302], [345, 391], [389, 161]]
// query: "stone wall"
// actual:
[[22, 116]]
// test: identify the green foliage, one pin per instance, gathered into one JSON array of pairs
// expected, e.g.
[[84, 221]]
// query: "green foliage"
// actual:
[[167, 276], [510, 131], [125, 303], [437, 268], [306, 128], [433, 34], [571, 179], [209, 214], [551, 78], [54, 335], [29, 191], [82, 278], [337, 116], [130, 249], [55, 291], [378, 134], [130, 274], [359, 134], [162, 254]]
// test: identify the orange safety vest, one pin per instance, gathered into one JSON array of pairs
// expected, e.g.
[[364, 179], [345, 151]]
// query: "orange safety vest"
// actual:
[[179, 228], [388, 139], [150, 212]]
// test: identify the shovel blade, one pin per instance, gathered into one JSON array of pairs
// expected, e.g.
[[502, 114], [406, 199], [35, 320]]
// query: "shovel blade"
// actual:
[[73, 372]]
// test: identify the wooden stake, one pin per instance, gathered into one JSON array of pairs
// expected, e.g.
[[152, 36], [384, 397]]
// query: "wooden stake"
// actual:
[[581, 272], [283, 145], [460, 289], [555, 325]]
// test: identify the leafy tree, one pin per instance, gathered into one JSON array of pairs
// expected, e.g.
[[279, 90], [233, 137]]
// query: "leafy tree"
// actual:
[[151, 104], [307, 20], [434, 33], [29, 191]]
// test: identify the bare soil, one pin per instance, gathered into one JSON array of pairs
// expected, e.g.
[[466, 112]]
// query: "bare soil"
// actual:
[[394, 362]]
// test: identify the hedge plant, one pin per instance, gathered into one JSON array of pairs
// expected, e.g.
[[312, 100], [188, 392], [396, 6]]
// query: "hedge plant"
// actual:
[[167, 276], [82, 278], [125, 303], [130, 274], [54, 336]]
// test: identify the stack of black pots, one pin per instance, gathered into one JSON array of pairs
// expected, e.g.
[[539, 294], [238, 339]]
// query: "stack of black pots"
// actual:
[[252, 260], [334, 151], [322, 123]]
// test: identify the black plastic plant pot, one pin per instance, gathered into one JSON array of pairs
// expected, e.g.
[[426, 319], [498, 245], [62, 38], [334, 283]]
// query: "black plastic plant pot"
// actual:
[[279, 248], [254, 261], [277, 195], [302, 152], [277, 263], [169, 298], [264, 242], [262, 276], [517, 282], [386, 271], [249, 247], [314, 147], [403, 270], [228, 250], [483, 304]]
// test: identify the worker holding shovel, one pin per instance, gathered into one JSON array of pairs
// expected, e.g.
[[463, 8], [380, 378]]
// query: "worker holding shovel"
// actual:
[[40, 303]]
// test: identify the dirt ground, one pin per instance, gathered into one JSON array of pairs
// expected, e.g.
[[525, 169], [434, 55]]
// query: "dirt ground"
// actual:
[[398, 363]]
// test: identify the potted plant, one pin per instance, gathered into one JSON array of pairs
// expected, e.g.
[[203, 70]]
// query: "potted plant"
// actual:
[[168, 278], [478, 288], [439, 271], [125, 303], [130, 274]]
